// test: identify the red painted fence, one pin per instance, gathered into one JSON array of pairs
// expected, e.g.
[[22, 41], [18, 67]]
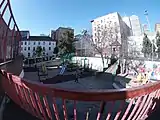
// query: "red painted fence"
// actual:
[[9, 32], [49, 102]]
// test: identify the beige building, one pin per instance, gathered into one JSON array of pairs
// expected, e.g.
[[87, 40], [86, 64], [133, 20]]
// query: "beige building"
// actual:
[[157, 27], [114, 31], [60, 32]]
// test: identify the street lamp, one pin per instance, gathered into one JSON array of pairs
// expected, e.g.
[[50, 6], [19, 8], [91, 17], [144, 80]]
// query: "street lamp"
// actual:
[[146, 14]]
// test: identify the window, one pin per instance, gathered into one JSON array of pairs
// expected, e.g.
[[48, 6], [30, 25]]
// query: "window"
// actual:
[[49, 43], [95, 28], [101, 26], [105, 26], [34, 49], [43, 53], [101, 21], [39, 43], [53, 43], [43, 43], [28, 48], [34, 43], [28, 43], [25, 43], [25, 48], [29, 54], [95, 34], [43, 48], [49, 48], [21, 43]]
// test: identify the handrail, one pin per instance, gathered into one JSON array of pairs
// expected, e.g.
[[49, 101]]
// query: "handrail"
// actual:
[[101, 94]]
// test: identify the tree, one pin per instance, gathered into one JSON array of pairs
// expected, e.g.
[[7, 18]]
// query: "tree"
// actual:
[[55, 50], [39, 51], [147, 46], [154, 48], [66, 45], [103, 38], [158, 43]]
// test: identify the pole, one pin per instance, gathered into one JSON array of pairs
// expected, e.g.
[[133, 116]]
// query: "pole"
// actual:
[[146, 14], [81, 47]]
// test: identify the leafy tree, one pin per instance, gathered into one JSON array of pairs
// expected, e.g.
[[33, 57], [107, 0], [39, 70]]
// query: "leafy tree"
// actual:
[[147, 46], [66, 45], [154, 48], [55, 50], [158, 43], [103, 39], [39, 51]]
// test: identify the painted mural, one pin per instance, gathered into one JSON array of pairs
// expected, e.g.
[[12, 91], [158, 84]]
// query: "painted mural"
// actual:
[[151, 69]]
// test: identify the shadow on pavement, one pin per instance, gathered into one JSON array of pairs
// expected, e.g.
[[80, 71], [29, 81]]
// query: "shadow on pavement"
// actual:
[[14, 112]]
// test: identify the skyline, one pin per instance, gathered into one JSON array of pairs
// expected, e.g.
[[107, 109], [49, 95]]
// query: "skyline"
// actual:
[[49, 15]]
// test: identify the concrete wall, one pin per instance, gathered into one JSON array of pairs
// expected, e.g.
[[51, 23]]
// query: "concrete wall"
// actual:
[[94, 61]]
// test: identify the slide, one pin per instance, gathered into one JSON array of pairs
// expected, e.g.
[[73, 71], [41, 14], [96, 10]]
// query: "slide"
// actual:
[[112, 69], [63, 69]]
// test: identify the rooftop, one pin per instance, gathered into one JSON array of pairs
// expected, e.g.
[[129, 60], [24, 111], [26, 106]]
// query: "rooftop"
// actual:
[[38, 38]]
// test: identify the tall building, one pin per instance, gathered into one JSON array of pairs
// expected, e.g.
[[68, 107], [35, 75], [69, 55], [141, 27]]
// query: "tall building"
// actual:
[[134, 23], [114, 31], [60, 32], [126, 19], [145, 28], [53, 34], [136, 26], [157, 27]]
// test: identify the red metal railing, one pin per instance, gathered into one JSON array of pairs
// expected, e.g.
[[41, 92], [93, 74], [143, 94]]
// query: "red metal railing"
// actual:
[[50, 102], [9, 32]]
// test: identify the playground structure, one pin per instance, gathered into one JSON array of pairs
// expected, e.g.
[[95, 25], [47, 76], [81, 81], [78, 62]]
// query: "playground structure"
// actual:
[[63, 69], [41, 100], [42, 72]]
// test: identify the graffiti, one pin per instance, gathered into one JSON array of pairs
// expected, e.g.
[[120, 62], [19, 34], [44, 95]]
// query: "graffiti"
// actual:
[[152, 69]]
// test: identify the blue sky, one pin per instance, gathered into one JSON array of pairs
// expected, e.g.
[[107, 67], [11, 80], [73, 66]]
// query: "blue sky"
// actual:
[[40, 16]]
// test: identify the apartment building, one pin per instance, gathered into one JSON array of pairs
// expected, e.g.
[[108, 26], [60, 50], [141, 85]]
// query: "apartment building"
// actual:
[[134, 23], [114, 31], [59, 33]]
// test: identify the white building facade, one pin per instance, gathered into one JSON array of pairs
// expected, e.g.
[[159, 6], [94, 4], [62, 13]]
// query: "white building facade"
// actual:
[[117, 30], [157, 27], [135, 44], [134, 23], [29, 45]]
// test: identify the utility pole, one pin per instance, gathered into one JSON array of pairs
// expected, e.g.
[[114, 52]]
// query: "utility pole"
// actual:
[[146, 14]]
